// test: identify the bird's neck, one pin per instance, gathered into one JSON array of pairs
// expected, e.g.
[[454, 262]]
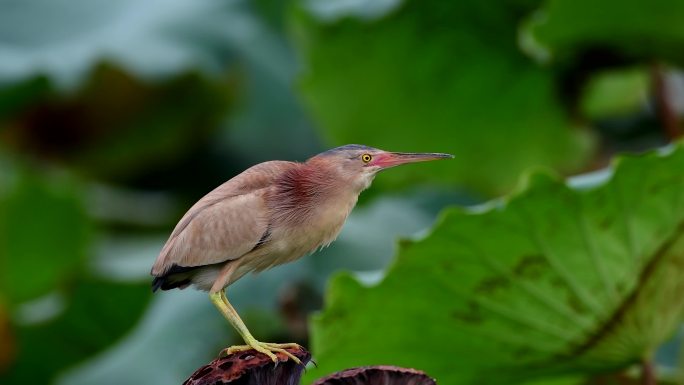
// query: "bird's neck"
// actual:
[[306, 189]]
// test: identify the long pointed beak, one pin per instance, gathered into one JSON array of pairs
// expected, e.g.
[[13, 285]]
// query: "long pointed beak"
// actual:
[[391, 159]]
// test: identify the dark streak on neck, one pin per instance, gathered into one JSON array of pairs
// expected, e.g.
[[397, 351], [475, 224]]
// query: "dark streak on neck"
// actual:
[[299, 191]]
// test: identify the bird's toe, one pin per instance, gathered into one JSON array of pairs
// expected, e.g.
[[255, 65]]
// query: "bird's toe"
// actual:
[[291, 345], [267, 348], [269, 352]]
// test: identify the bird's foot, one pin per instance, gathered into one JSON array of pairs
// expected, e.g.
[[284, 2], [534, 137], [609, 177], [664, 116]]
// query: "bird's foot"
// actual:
[[266, 348]]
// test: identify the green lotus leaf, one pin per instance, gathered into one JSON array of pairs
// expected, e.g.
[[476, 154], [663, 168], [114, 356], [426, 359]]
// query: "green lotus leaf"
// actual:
[[557, 279], [44, 235]]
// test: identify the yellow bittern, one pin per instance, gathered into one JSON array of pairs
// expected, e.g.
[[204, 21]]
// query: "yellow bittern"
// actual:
[[272, 213]]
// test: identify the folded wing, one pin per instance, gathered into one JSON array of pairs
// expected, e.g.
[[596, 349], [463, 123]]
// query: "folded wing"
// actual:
[[226, 224]]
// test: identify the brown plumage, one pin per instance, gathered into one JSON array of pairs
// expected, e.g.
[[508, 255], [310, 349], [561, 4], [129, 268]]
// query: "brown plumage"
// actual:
[[272, 213]]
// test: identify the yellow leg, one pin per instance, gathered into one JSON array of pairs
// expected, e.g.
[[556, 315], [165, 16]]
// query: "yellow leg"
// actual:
[[221, 302]]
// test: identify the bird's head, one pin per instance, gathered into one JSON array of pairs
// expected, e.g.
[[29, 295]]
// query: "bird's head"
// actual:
[[357, 165]]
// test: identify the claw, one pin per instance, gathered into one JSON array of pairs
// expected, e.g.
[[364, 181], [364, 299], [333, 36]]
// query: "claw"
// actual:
[[266, 348]]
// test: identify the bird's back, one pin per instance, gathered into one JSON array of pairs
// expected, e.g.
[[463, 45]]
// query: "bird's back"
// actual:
[[195, 238]]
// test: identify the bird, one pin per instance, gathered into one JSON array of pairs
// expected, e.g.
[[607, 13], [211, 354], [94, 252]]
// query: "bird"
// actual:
[[273, 213]]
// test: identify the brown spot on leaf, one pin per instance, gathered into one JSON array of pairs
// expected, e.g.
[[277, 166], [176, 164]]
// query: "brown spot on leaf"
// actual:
[[606, 223], [447, 266], [490, 285], [470, 315], [558, 283], [530, 267], [405, 243], [575, 304], [656, 189], [522, 353]]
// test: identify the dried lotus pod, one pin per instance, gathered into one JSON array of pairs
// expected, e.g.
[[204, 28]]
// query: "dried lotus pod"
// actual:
[[251, 368], [377, 375]]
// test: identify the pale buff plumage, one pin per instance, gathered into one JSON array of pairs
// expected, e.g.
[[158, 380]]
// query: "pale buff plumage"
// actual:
[[272, 213]]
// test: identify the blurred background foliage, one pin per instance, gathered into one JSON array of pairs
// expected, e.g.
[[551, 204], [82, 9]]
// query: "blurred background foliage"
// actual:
[[116, 116]]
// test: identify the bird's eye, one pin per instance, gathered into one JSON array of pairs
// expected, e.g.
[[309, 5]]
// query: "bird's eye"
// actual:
[[366, 158]]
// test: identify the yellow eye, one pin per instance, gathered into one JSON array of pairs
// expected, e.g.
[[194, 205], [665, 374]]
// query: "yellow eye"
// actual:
[[366, 158]]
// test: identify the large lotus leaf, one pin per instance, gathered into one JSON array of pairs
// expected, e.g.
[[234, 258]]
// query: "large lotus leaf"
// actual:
[[44, 235], [96, 314], [641, 29], [438, 76], [557, 279]]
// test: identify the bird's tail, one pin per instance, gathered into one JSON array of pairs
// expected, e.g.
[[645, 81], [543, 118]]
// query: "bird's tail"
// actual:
[[157, 283], [175, 277]]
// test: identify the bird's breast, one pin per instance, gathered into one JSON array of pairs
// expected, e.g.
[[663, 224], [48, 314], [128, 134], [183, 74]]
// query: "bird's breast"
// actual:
[[292, 240]]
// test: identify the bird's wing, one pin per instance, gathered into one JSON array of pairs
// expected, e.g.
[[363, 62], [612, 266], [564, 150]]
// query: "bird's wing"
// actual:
[[225, 224]]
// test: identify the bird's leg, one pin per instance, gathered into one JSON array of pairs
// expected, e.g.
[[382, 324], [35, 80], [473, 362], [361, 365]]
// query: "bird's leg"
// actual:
[[218, 297], [221, 302]]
